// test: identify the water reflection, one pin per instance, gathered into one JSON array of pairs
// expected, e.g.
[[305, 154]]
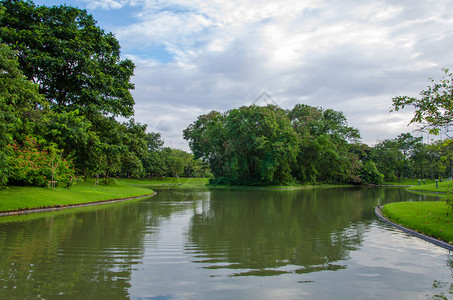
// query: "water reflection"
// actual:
[[198, 243], [83, 252], [261, 232]]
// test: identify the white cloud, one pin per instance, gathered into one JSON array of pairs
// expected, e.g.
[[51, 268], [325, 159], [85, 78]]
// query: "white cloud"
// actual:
[[108, 4], [349, 55]]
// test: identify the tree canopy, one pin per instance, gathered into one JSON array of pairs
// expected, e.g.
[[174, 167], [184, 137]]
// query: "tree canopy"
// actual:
[[63, 84], [75, 63], [271, 146]]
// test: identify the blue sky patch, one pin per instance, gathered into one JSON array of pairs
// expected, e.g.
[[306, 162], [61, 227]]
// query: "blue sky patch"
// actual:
[[107, 19], [156, 52]]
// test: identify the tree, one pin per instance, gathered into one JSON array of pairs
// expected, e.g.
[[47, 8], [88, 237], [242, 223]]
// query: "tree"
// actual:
[[268, 146], [324, 137], [154, 161], [19, 102], [154, 164], [261, 145], [440, 158], [248, 145], [398, 158], [76, 64], [311, 121], [206, 137], [154, 141], [370, 173], [434, 109]]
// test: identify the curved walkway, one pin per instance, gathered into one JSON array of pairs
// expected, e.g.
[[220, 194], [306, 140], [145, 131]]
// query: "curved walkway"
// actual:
[[60, 207], [434, 241]]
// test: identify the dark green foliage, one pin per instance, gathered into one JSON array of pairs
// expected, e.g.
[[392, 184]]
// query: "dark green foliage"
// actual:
[[325, 152], [261, 145], [76, 64], [207, 139], [20, 105], [63, 85], [249, 145], [370, 173], [269, 146], [398, 158], [154, 164]]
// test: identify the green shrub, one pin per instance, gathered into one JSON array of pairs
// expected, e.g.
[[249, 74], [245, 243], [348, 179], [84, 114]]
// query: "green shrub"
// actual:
[[370, 173], [29, 164]]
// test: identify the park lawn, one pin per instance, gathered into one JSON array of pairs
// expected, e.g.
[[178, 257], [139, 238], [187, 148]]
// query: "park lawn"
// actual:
[[21, 198], [443, 187], [171, 181], [431, 218], [409, 182], [278, 187]]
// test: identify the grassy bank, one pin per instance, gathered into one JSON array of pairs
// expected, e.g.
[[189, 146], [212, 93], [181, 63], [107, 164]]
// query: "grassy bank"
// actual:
[[442, 187], [20, 198], [169, 181], [278, 187], [255, 187], [429, 218], [409, 182]]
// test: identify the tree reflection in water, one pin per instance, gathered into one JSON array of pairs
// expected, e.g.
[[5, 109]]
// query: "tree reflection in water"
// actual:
[[265, 233]]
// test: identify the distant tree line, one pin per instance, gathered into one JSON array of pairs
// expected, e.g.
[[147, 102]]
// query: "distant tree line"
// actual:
[[255, 145], [62, 87]]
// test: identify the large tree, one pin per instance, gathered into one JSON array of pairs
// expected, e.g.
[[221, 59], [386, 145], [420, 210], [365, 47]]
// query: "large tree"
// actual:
[[206, 137], [78, 70], [261, 145], [248, 145], [324, 139], [19, 103], [76, 64]]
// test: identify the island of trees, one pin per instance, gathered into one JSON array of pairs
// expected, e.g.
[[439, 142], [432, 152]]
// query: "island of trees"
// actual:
[[64, 86]]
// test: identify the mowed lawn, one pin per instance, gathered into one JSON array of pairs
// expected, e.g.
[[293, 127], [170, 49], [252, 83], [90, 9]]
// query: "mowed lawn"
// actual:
[[432, 218], [20, 198]]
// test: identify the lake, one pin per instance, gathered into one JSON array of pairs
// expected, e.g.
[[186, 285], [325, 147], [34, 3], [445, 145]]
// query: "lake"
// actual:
[[223, 244]]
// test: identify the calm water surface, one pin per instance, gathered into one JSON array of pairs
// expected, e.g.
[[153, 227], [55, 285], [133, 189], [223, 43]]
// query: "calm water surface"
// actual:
[[223, 244]]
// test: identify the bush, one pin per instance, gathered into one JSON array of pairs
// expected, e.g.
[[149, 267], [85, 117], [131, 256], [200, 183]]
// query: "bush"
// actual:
[[370, 173], [31, 165]]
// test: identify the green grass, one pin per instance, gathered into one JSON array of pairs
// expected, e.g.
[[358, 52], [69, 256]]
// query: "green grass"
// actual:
[[170, 181], [19, 198], [429, 218], [255, 187], [278, 187], [443, 187], [409, 182]]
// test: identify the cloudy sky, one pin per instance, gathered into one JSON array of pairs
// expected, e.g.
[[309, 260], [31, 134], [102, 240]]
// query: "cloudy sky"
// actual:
[[194, 56]]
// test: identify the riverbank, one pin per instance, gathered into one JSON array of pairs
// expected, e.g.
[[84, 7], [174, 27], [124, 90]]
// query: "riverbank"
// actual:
[[431, 218], [279, 187], [31, 198], [435, 241], [444, 187]]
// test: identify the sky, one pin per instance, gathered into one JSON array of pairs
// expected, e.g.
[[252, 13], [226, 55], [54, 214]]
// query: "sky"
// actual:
[[354, 56]]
